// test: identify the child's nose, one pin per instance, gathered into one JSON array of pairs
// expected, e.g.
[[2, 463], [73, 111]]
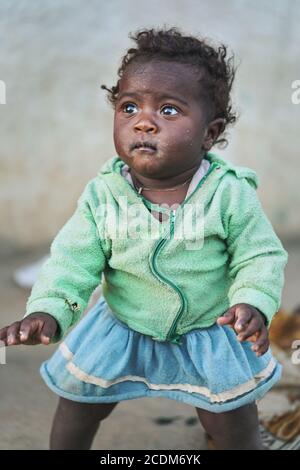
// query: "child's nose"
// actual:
[[145, 126]]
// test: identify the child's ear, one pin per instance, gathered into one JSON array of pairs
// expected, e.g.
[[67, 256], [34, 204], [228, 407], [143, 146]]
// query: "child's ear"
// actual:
[[213, 130]]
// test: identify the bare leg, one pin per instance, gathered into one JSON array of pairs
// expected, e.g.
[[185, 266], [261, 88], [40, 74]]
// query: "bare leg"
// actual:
[[75, 424], [236, 429]]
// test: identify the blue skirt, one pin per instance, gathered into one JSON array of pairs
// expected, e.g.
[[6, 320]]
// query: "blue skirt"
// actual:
[[102, 360]]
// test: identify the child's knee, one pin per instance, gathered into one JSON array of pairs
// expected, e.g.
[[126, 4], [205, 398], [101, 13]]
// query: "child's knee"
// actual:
[[236, 429], [91, 412], [103, 410]]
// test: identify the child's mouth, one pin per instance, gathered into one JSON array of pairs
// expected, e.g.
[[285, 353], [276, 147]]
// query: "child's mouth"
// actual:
[[145, 150], [144, 146]]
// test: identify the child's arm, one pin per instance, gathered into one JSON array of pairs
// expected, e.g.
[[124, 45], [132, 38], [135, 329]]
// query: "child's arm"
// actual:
[[257, 261], [68, 277]]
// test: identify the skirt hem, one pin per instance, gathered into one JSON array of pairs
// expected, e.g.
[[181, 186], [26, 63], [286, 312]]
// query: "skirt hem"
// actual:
[[189, 399]]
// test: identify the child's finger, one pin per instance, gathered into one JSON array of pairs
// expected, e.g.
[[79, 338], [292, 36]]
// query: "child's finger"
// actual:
[[243, 316], [227, 318], [3, 334], [27, 329], [254, 337], [249, 330], [30, 329], [262, 344], [13, 334], [263, 348], [47, 333]]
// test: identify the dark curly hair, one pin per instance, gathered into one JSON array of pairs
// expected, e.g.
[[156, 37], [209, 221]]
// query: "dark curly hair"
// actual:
[[216, 70]]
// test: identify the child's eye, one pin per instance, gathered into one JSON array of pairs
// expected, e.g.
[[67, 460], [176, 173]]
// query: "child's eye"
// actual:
[[171, 110], [129, 108], [167, 110]]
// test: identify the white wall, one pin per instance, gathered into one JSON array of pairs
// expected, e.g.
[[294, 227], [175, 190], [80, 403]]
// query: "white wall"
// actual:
[[56, 125]]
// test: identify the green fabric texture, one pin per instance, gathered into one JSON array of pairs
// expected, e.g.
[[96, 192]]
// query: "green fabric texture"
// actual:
[[161, 285]]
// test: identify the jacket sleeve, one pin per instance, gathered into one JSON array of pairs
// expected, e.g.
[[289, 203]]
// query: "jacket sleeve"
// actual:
[[257, 257], [68, 278]]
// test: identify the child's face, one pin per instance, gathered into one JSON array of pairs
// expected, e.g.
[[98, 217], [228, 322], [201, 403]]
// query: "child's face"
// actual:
[[158, 103]]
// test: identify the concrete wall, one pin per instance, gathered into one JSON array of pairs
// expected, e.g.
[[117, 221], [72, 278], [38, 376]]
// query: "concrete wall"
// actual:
[[56, 126]]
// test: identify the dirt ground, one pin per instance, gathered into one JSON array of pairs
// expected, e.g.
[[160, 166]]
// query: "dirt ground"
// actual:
[[27, 405]]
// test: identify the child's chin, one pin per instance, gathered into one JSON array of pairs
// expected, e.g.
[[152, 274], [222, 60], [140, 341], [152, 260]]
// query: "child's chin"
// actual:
[[146, 162]]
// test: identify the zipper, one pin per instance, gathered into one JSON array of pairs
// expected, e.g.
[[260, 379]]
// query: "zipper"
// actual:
[[160, 276], [171, 335]]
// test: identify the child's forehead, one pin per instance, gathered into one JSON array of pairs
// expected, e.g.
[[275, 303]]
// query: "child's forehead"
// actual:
[[161, 76]]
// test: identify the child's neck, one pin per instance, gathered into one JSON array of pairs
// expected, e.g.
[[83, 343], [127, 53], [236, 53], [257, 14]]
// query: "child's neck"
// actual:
[[164, 184], [158, 194], [169, 198]]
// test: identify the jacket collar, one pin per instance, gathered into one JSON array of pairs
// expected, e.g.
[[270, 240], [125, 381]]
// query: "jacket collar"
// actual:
[[114, 166]]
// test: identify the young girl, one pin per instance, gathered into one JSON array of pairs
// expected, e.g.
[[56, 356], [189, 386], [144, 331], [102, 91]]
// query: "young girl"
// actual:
[[183, 317]]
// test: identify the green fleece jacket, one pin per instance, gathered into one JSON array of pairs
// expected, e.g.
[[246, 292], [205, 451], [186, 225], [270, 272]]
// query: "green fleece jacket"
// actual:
[[158, 279]]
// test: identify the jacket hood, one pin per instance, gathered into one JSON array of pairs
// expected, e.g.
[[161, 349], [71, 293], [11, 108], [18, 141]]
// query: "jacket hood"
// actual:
[[115, 164]]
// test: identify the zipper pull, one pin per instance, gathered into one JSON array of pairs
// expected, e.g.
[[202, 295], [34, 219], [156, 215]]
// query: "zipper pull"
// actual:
[[176, 340], [172, 221], [173, 215]]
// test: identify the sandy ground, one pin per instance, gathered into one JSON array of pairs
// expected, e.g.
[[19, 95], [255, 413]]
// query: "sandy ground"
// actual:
[[27, 405]]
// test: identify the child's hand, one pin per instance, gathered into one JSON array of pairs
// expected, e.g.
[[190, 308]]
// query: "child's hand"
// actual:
[[249, 324], [36, 328]]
